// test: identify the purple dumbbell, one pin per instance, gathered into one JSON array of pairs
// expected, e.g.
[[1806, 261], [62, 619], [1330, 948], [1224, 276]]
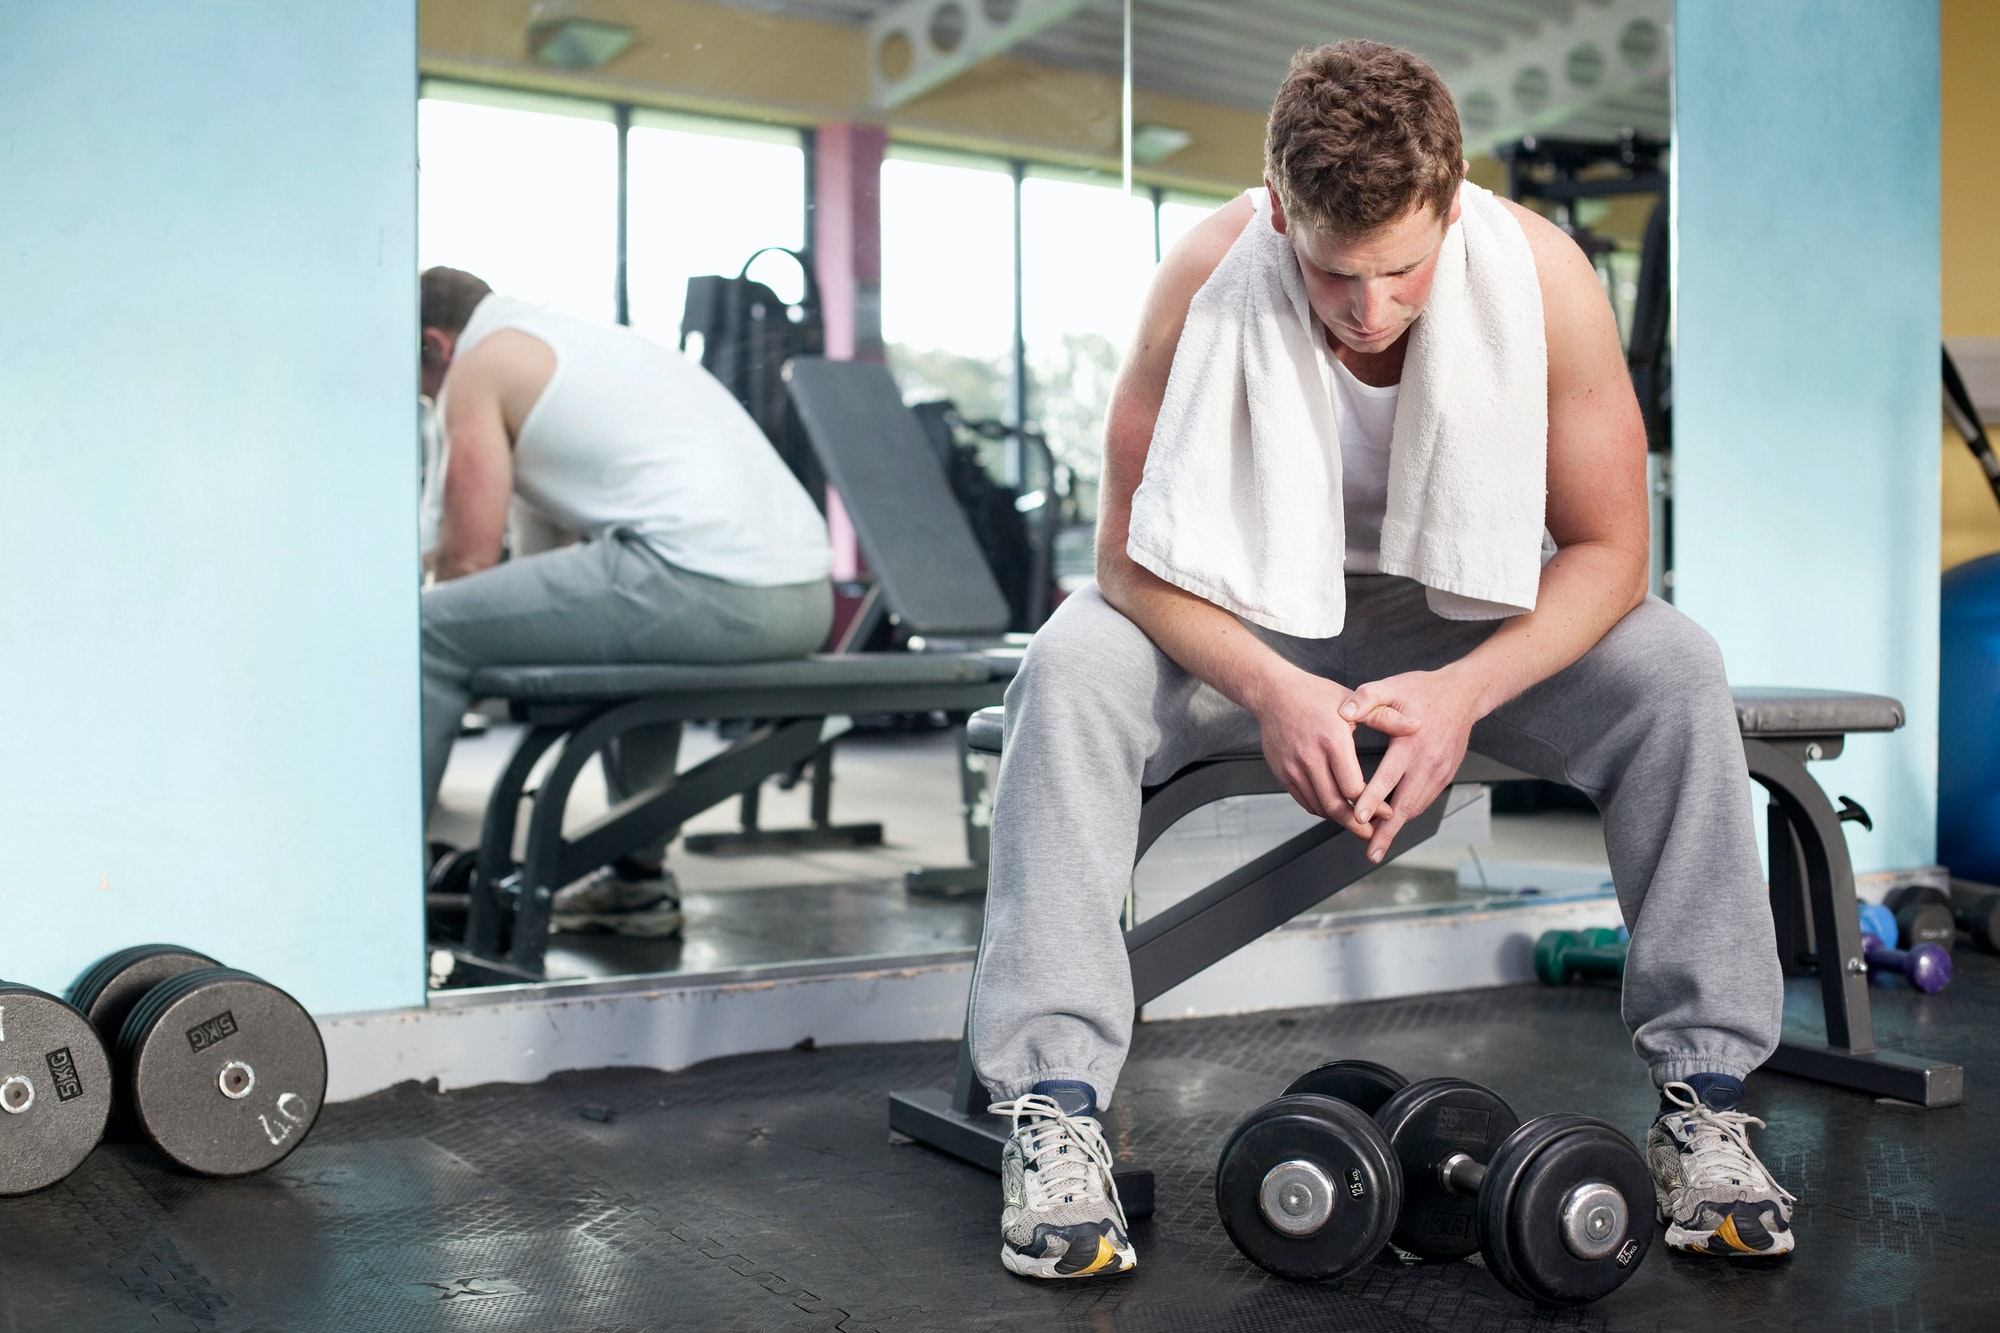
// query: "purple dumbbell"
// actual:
[[1927, 966]]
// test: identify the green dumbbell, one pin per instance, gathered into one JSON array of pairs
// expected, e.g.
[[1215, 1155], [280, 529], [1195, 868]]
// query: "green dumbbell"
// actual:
[[1563, 955]]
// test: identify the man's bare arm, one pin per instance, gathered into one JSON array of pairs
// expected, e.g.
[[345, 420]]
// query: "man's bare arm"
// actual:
[[1309, 745], [479, 469], [1597, 514]]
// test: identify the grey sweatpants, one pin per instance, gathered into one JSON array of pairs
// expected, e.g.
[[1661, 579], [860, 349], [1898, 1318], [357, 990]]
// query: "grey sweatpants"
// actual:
[[601, 602], [1642, 724]]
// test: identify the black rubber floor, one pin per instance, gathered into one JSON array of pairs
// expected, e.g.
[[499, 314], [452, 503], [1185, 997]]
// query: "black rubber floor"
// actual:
[[761, 1193]]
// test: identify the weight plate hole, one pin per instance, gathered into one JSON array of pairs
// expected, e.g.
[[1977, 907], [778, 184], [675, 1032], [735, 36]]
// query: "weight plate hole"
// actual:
[[236, 1080], [17, 1094]]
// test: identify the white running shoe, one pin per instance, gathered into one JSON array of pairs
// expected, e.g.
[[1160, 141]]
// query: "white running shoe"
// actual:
[[1060, 1216], [608, 902], [1714, 1196]]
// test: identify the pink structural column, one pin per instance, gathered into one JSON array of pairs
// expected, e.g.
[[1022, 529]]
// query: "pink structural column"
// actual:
[[847, 259]]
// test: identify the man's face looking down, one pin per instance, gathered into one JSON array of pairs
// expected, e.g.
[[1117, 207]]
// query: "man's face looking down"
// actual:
[[433, 360], [1368, 290]]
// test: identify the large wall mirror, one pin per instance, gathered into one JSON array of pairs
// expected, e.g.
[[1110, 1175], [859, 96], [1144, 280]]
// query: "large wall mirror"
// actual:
[[982, 190]]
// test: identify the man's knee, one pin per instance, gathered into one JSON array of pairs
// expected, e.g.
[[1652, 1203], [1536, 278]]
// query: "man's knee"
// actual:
[[1658, 662], [1087, 655]]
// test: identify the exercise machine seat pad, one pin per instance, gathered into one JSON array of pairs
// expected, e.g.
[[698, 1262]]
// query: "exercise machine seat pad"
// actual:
[[1760, 711], [593, 684], [1763, 710]]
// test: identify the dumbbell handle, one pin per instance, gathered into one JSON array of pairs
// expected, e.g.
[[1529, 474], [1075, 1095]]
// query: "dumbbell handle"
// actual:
[[1459, 1174]]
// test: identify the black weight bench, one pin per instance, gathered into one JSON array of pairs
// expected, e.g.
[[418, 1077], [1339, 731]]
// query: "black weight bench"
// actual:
[[929, 580], [800, 708], [1812, 899]]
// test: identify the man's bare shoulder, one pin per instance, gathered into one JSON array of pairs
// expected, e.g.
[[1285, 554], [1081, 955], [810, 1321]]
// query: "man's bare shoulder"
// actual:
[[507, 365], [506, 371], [1564, 271], [1195, 257], [1181, 274], [504, 356]]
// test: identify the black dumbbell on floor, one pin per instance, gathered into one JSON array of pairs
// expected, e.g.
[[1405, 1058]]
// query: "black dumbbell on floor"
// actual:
[[1923, 916], [55, 1089], [1307, 1185], [219, 1070], [1561, 1207], [1360, 1083], [1976, 908]]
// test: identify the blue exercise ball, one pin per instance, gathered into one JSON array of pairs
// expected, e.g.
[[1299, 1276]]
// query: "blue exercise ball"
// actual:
[[1969, 720]]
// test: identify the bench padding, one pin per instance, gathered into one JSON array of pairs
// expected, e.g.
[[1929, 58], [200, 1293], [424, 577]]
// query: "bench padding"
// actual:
[[1763, 710], [823, 671], [1760, 711]]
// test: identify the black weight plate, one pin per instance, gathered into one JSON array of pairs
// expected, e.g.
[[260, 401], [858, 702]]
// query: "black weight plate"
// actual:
[[1360, 1083], [453, 873], [224, 1072], [1348, 1148], [1924, 922], [55, 1089], [1426, 1123], [1522, 1201], [109, 987], [1504, 1173]]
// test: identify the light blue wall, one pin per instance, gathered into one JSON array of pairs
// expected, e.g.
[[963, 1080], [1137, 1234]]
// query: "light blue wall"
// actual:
[[1806, 378], [208, 613]]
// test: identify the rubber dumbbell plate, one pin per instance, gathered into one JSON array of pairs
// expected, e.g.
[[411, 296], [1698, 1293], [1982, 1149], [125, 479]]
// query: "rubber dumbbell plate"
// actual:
[[452, 873], [1426, 1123], [55, 1089], [1308, 1159], [224, 1072], [1362, 1084], [1566, 1214], [109, 988]]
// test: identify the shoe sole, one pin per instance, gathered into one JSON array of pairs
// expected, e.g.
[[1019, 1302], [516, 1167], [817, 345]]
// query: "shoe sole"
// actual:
[[633, 925], [1724, 1243], [1112, 1260]]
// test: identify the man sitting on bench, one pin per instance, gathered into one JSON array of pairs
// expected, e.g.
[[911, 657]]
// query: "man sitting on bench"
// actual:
[[1381, 367], [699, 544]]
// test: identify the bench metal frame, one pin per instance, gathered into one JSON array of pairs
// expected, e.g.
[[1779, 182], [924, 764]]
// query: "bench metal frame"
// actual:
[[1812, 883], [1819, 929], [507, 925]]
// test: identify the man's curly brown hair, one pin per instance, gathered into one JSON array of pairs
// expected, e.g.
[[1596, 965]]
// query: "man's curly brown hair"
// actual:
[[1360, 134]]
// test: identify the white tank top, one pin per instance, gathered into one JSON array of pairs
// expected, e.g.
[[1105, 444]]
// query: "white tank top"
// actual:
[[1365, 417], [631, 434]]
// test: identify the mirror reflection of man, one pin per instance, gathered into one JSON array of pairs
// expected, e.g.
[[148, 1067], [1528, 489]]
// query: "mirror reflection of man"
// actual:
[[697, 543]]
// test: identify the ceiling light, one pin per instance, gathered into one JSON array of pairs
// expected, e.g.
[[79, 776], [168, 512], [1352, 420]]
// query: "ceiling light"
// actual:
[[1157, 143], [577, 43]]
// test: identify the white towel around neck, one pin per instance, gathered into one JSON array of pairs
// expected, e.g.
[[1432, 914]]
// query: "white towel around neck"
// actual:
[[1240, 503]]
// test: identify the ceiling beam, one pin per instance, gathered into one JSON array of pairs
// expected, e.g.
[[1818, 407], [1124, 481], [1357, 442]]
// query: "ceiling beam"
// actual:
[[1605, 51], [915, 45]]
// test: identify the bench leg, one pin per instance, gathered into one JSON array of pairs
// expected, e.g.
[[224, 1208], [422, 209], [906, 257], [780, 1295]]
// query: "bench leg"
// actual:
[[495, 888], [958, 1123], [976, 808], [507, 932], [1815, 852]]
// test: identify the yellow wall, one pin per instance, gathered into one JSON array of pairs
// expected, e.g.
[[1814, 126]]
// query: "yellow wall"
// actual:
[[705, 57], [1971, 242], [1971, 92]]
